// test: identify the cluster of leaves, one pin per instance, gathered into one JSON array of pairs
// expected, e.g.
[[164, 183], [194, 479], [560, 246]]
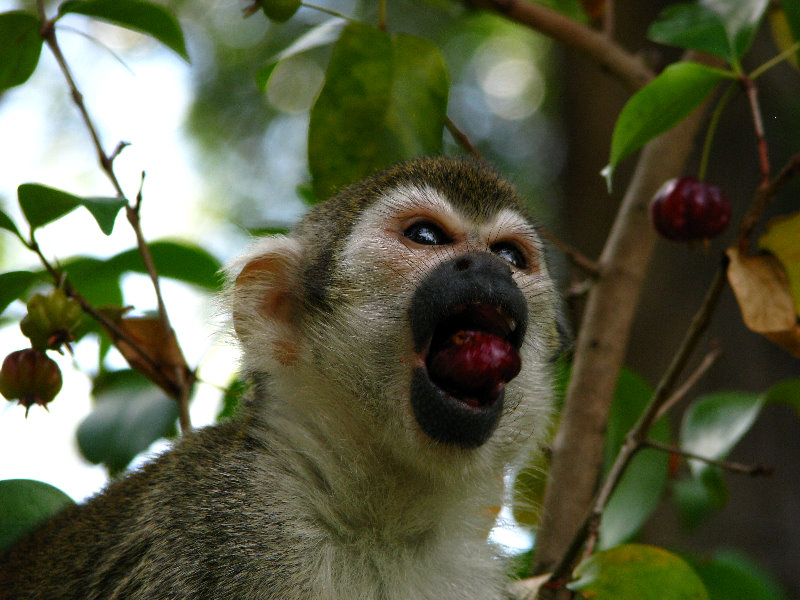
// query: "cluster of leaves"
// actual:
[[384, 99], [130, 411]]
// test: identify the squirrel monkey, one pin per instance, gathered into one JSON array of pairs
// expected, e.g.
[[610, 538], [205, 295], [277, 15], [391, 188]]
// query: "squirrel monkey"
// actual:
[[400, 342]]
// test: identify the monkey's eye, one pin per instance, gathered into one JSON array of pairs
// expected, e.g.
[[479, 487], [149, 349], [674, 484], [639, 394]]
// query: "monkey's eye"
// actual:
[[426, 234], [510, 253]]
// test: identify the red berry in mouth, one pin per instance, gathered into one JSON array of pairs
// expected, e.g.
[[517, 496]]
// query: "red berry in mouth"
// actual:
[[688, 209], [30, 376], [471, 365]]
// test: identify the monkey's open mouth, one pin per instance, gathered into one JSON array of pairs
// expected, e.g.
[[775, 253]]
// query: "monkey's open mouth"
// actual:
[[473, 353]]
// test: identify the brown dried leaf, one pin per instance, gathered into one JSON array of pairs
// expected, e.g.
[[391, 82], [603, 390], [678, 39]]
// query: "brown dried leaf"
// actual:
[[150, 335], [762, 290]]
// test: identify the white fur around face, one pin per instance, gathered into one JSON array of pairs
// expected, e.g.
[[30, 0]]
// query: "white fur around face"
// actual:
[[416, 512]]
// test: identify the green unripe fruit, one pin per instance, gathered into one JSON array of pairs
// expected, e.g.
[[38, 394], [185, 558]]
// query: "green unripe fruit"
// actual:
[[31, 377], [50, 319], [279, 10]]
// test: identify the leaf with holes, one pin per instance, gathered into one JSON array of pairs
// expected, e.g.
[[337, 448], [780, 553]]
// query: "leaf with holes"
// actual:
[[384, 100]]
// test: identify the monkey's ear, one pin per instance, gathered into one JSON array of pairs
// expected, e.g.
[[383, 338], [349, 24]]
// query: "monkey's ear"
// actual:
[[266, 300]]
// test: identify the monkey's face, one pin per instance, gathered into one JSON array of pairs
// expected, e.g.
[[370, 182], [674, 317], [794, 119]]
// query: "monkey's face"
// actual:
[[430, 323]]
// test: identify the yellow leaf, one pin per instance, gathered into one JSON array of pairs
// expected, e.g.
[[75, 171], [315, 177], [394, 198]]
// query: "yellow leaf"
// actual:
[[782, 34], [762, 290], [783, 240]]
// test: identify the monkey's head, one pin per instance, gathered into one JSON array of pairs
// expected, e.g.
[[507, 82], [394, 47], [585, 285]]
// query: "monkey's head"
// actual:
[[413, 309]]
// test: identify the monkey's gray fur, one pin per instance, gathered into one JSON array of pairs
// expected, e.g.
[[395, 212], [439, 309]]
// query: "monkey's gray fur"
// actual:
[[326, 486]]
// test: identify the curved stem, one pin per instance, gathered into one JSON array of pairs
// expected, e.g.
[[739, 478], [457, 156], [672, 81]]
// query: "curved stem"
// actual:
[[712, 128]]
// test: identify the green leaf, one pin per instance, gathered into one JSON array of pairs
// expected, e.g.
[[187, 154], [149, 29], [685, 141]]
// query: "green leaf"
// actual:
[[176, 260], [321, 35], [642, 486], [232, 399], [660, 105], [637, 572], [731, 576], [145, 17], [130, 415], [696, 499], [692, 26], [41, 205], [741, 19], [7, 224], [24, 504], [785, 392], [97, 280], [791, 12], [15, 285], [20, 47], [384, 100], [713, 424], [279, 10]]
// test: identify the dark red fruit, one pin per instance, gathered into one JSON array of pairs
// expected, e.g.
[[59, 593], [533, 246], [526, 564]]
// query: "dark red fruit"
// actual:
[[688, 209], [31, 377], [472, 365]]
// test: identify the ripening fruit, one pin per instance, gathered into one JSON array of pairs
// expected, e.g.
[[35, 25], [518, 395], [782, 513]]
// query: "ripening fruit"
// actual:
[[688, 209], [31, 377], [474, 363], [50, 319]]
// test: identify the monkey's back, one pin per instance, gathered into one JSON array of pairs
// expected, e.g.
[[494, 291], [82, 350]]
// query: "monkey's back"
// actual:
[[197, 522]]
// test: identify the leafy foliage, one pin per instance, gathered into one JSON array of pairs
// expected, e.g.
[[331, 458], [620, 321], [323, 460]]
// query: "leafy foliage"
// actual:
[[20, 47], [24, 503]]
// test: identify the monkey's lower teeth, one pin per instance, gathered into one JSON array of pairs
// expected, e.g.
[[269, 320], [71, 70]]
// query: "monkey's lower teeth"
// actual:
[[473, 366]]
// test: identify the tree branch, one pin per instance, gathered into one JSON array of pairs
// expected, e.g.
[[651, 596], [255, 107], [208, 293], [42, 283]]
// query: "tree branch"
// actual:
[[734, 467], [601, 343], [599, 47]]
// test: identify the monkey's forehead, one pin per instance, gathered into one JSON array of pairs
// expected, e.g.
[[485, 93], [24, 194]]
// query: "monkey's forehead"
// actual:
[[472, 188]]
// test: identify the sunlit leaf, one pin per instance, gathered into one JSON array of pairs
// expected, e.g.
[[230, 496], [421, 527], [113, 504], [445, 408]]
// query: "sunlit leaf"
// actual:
[[145, 17], [24, 504], [383, 101], [321, 35], [791, 13], [713, 424], [730, 576], [41, 205], [660, 105], [20, 47], [637, 572]]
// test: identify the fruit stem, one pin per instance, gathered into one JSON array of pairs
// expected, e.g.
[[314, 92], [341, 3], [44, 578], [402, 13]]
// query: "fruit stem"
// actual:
[[712, 129], [758, 124]]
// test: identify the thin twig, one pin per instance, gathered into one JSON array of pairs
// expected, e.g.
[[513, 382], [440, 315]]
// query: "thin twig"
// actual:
[[586, 264], [733, 467], [461, 138], [616, 60], [183, 383], [690, 382]]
